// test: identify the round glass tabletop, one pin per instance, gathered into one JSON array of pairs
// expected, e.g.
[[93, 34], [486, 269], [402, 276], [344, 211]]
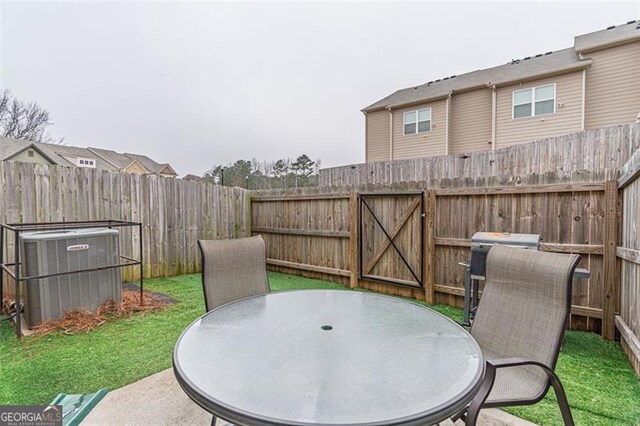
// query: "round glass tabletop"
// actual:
[[328, 357]]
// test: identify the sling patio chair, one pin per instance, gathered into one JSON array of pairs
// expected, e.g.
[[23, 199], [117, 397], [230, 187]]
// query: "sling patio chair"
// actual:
[[519, 326], [232, 270]]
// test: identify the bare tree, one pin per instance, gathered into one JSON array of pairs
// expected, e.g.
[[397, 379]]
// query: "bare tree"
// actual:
[[19, 120]]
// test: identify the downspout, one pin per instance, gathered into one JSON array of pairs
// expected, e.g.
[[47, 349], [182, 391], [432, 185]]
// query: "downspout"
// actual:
[[494, 105], [390, 134], [584, 91], [366, 137], [446, 119]]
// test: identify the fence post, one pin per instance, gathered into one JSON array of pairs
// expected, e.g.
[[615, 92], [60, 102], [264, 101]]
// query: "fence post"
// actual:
[[429, 245], [353, 239], [610, 288]]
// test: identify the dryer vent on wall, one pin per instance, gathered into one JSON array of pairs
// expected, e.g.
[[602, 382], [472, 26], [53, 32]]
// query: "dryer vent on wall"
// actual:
[[52, 252]]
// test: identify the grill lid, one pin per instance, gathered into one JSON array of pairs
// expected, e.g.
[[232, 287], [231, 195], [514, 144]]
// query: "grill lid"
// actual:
[[480, 239]]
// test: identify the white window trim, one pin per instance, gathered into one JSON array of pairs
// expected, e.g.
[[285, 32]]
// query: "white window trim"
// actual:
[[86, 162], [417, 112], [533, 101]]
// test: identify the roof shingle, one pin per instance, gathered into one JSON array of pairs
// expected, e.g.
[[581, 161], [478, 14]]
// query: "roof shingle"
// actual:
[[517, 70], [65, 155], [612, 35]]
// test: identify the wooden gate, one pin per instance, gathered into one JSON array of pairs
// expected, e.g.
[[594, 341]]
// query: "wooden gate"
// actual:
[[391, 239]]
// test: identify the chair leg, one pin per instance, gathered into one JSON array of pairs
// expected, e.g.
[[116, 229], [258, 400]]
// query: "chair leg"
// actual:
[[562, 399], [487, 384], [213, 420]]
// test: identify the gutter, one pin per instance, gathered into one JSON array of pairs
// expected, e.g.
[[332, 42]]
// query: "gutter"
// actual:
[[366, 136], [584, 92], [494, 113], [446, 119]]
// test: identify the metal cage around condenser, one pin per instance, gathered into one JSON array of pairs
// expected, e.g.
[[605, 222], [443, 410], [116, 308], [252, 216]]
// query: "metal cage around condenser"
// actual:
[[19, 272]]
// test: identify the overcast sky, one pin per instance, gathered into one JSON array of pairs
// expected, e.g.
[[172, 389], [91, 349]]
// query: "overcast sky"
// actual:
[[198, 84]]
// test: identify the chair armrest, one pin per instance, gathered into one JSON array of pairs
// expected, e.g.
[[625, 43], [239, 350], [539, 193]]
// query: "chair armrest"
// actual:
[[554, 381], [517, 361], [492, 365]]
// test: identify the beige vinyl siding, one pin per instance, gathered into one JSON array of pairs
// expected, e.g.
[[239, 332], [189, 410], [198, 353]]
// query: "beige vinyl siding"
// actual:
[[566, 119], [470, 121], [420, 144], [24, 157], [378, 143], [613, 86]]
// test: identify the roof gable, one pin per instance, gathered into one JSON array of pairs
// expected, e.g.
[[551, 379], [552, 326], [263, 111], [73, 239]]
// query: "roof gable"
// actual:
[[12, 150], [167, 170], [136, 167]]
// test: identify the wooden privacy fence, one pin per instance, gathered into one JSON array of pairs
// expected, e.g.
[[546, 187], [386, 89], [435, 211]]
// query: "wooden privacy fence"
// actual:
[[175, 213], [317, 235], [628, 253], [588, 156], [313, 234], [571, 218]]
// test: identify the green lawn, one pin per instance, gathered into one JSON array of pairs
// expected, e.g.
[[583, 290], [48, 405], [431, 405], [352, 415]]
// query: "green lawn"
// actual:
[[600, 384]]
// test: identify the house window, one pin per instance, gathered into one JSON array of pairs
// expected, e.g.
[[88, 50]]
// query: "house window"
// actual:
[[534, 101], [418, 121], [86, 162], [30, 153]]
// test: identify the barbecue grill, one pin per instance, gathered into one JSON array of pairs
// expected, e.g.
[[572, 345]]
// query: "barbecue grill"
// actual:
[[481, 243]]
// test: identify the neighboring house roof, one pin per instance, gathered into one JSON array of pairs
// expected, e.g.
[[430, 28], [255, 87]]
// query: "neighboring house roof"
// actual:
[[65, 155], [123, 161], [70, 153], [615, 34], [10, 148], [116, 159], [151, 164], [167, 170], [536, 66]]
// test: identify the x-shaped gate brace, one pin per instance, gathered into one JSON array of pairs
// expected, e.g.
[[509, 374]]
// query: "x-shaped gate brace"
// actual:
[[363, 271]]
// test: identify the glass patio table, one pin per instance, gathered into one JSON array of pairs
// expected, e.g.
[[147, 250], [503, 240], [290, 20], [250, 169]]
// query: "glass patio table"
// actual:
[[329, 357]]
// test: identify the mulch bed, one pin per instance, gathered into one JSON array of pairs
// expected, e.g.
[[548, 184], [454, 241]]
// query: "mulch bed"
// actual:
[[83, 320]]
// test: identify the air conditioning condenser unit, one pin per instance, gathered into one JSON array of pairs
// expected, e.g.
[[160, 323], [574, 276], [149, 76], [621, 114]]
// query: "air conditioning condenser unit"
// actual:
[[53, 252]]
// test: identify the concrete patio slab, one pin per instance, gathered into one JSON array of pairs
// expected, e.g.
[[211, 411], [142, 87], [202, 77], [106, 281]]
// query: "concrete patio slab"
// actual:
[[159, 400]]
